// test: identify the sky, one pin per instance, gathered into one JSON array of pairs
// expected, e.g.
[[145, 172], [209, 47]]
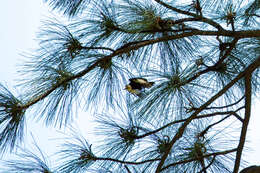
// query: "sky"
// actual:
[[20, 21]]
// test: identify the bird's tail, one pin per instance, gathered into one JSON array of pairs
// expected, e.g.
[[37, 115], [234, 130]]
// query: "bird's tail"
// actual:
[[149, 84]]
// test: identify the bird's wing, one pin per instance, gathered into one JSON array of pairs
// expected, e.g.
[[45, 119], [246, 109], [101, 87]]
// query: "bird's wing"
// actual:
[[139, 80], [135, 85]]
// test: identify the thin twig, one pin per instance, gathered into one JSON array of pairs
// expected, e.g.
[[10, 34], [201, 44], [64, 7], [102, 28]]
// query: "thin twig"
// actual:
[[227, 112], [215, 66], [202, 133], [126, 162], [127, 169], [238, 117], [183, 120], [203, 19], [195, 159], [232, 104], [97, 48], [212, 161]]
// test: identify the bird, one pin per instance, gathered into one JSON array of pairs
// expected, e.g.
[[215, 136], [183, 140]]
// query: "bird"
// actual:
[[136, 85], [140, 83]]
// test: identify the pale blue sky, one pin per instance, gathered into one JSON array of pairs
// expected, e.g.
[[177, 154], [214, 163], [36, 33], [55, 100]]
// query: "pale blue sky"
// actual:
[[20, 20], [19, 23]]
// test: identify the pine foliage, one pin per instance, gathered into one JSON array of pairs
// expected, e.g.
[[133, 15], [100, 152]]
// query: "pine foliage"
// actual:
[[201, 58]]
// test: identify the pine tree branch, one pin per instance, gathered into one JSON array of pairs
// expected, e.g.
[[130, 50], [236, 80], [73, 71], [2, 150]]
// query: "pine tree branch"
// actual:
[[224, 113], [137, 45], [127, 169], [97, 48], [125, 162], [248, 94], [180, 21], [215, 66], [196, 16], [219, 113], [202, 133], [237, 35], [183, 120], [181, 130], [238, 117], [180, 39], [227, 53], [204, 156]]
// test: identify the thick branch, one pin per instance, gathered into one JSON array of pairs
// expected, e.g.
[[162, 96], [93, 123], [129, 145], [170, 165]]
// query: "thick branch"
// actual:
[[237, 34], [137, 45], [246, 121]]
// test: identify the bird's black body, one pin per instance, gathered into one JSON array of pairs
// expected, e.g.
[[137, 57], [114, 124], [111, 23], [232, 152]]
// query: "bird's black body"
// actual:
[[140, 83]]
